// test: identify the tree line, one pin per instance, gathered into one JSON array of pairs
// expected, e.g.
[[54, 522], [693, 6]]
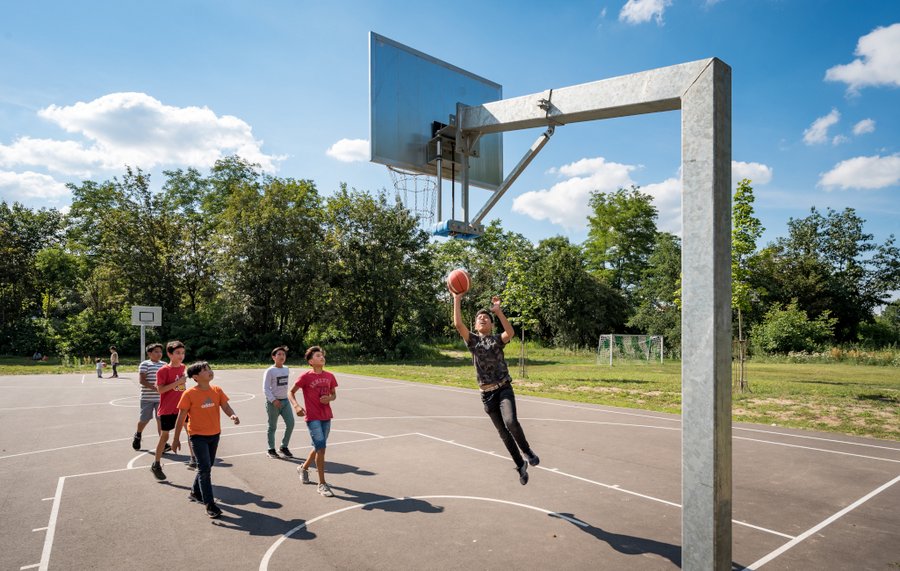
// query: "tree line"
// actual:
[[241, 261]]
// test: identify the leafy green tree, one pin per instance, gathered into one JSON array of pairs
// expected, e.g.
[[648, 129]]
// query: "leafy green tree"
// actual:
[[621, 235], [576, 305], [382, 275], [658, 311], [787, 329], [745, 231]]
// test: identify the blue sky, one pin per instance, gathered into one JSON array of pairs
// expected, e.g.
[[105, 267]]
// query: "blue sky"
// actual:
[[88, 87]]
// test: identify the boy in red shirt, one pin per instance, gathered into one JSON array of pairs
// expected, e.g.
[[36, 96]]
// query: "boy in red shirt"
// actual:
[[202, 405], [319, 390], [170, 383]]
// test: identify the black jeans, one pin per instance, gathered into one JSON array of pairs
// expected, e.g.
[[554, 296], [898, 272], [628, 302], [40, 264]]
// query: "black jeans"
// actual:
[[500, 405], [205, 450]]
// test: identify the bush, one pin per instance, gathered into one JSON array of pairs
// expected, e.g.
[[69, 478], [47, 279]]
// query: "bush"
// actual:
[[789, 329]]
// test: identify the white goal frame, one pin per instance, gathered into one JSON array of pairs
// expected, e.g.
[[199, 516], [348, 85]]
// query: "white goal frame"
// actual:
[[632, 340]]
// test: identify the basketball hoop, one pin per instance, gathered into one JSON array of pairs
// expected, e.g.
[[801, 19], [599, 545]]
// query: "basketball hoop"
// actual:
[[418, 192]]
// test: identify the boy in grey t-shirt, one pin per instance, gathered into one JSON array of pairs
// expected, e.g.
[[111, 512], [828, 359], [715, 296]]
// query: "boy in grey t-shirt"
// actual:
[[275, 388], [494, 381]]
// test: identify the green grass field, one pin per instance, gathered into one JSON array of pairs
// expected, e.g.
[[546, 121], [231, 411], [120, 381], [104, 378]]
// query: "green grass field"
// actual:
[[861, 400]]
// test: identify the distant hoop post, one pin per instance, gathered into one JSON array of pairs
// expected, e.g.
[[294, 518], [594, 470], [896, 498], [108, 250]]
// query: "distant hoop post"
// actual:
[[418, 192]]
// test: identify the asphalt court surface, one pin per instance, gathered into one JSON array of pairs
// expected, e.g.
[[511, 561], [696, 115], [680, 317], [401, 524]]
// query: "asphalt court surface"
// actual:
[[421, 480]]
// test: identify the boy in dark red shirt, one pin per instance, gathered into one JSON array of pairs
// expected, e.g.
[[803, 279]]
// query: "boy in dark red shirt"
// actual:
[[170, 384], [319, 390]]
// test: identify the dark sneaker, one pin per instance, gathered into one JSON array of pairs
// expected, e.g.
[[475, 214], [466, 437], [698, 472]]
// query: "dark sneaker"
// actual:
[[168, 448], [325, 490], [523, 473], [272, 454], [196, 498], [285, 452], [213, 511], [157, 471], [304, 475], [136, 441], [192, 465], [533, 459]]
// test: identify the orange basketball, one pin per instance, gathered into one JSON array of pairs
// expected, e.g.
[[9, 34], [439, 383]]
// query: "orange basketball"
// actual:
[[458, 281]]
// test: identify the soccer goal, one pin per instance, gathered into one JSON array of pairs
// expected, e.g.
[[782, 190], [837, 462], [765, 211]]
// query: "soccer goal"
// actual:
[[629, 347]]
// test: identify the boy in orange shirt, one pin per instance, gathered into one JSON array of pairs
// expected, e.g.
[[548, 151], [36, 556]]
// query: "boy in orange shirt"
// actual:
[[202, 403]]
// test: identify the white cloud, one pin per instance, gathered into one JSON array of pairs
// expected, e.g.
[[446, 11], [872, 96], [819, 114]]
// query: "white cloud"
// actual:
[[566, 202], [878, 62], [667, 199], [863, 173], [818, 131], [758, 173], [138, 130], [24, 185], [864, 126], [349, 150], [640, 11], [838, 139]]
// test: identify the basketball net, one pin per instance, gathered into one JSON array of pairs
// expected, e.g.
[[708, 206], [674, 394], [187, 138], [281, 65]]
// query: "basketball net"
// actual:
[[418, 192]]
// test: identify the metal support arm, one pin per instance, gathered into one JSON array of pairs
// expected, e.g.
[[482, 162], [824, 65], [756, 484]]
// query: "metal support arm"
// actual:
[[514, 174]]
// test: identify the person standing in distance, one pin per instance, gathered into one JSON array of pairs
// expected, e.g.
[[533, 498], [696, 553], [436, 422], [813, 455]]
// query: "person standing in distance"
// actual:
[[275, 388]]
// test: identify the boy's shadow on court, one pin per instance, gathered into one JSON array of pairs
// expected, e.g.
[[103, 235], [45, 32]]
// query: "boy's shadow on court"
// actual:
[[631, 545], [333, 468], [386, 503]]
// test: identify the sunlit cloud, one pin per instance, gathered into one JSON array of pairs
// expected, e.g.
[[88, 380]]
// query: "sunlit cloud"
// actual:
[[640, 11], [817, 133], [865, 173], [878, 61], [18, 186], [349, 150]]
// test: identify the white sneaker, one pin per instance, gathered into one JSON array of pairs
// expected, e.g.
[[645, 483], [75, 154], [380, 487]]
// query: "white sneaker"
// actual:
[[325, 490], [304, 475]]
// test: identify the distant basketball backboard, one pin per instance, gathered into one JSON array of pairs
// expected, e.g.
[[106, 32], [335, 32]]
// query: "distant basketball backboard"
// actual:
[[411, 94], [148, 316]]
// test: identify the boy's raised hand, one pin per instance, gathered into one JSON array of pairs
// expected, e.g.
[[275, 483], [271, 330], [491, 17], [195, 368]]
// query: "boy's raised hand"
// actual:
[[495, 303]]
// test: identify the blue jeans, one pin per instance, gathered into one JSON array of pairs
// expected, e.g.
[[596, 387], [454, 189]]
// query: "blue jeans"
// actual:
[[500, 405], [318, 430], [285, 412], [205, 450]]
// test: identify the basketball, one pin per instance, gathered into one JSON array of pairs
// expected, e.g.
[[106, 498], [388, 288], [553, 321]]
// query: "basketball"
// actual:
[[458, 281]]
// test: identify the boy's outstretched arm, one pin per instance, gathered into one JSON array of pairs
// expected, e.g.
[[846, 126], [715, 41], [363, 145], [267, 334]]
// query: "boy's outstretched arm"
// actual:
[[508, 331], [457, 317], [230, 412], [297, 408], [179, 424]]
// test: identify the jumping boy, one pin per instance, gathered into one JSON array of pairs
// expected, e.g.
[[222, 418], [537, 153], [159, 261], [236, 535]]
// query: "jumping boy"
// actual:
[[319, 391], [275, 387], [201, 404], [149, 397], [494, 380], [170, 384]]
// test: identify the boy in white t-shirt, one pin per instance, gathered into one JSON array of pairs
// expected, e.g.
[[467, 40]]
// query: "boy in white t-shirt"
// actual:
[[275, 388]]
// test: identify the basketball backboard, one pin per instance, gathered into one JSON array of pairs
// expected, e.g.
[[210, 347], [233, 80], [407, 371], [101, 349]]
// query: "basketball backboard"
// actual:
[[148, 316], [410, 92]]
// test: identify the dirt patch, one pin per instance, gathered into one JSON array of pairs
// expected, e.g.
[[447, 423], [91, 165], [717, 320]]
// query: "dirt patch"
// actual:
[[528, 385]]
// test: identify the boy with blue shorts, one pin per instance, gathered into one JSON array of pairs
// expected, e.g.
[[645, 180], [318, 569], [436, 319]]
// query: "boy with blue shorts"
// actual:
[[319, 391]]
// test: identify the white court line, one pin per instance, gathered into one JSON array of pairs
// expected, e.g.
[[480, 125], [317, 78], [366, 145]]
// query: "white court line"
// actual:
[[817, 449], [825, 522], [46, 499], [39, 529], [63, 448], [53, 406], [615, 487], [264, 563], [545, 401], [29, 566], [51, 526]]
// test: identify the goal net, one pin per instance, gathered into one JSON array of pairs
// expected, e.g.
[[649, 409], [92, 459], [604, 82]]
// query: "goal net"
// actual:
[[614, 347]]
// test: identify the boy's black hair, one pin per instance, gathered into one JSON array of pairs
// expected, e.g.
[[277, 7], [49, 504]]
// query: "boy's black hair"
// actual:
[[309, 352], [98, 360], [195, 368], [112, 348], [172, 345], [280, 348], [153, 346]]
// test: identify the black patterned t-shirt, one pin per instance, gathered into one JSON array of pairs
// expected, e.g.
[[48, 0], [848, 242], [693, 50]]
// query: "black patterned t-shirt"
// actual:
[[487, 355]]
